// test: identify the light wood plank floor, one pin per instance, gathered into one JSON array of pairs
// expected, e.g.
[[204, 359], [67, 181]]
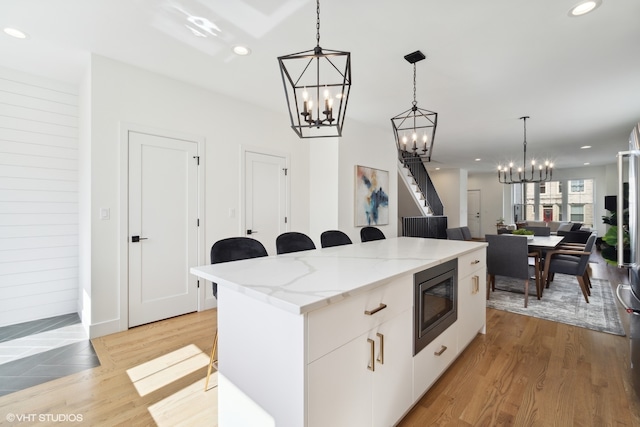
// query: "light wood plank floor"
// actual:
[[524, 372]]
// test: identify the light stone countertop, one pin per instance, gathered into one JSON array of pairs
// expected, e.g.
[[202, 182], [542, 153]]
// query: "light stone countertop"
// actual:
[[304, 281]]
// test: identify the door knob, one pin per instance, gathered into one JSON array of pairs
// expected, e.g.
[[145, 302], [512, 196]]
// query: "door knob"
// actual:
[[136, 239]]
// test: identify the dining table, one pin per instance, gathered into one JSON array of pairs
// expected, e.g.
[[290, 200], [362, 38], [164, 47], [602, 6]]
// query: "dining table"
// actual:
[[544, 242]]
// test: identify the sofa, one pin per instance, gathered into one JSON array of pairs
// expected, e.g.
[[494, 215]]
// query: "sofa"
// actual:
[[555, 226]]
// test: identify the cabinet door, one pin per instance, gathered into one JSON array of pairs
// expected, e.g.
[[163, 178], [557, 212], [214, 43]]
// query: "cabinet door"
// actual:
[[472, 305], [339, 386], [392, 379]]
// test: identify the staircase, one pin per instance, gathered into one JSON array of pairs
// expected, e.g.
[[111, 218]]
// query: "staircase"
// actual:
[[416, 178], [419, 183]]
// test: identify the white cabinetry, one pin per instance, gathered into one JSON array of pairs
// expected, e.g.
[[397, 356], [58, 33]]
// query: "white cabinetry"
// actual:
[[472, 294], [362, 379]]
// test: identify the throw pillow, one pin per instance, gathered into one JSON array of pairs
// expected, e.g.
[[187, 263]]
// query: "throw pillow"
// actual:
[[565, 226]]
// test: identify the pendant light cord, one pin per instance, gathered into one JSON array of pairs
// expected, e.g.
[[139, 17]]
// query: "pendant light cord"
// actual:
[[524, 160], [318, 22], [414, 85]]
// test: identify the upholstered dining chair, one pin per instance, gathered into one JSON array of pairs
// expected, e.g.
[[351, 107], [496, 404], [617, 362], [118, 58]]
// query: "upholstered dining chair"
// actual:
[[334, 238], [368, 234], [293, 241], [226, 250], [571, 237], [466, 233], [509, 256], [539, 231], [454, 234], [572, 261]]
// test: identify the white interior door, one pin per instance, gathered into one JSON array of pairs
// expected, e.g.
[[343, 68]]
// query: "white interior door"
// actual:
[[163, 213], [473, 213], [265, 197]]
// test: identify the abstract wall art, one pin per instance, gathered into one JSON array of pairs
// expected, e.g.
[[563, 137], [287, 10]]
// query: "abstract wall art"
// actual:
[[372, 196]]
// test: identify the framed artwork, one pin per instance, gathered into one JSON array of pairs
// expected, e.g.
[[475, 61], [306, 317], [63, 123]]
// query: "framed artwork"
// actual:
[[372, 196]]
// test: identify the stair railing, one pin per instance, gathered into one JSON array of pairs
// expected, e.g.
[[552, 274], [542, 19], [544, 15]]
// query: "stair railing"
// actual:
[[423, 181]]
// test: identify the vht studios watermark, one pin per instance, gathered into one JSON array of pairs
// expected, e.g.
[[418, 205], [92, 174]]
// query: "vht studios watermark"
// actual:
[[43, 418]]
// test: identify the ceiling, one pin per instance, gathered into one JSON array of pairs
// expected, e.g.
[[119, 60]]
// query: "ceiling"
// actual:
[[488, 62]]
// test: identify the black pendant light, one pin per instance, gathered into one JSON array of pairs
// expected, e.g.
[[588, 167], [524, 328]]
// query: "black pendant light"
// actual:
[[316, 84], [415, 129], [507, 174]]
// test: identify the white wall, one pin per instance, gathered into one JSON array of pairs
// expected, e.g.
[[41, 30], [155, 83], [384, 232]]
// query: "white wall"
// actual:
[[120, 93], [496, 201], [372, 147], [124, 94], [451, 185], [38, 198]]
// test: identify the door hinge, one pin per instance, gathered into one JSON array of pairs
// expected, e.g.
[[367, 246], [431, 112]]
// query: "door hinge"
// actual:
[[285, 219], [285, 171], [198, 284], [198, 222], [197, 160]]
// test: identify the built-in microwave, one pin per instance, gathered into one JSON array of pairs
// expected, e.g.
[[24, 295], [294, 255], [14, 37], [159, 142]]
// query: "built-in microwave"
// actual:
[[435, 302]]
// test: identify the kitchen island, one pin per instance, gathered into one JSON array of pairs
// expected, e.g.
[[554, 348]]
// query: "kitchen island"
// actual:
[[296, 347]]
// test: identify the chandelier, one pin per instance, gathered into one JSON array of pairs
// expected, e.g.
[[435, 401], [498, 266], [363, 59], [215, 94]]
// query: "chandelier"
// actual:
[[316, 85], [507, 175], [415, 129]]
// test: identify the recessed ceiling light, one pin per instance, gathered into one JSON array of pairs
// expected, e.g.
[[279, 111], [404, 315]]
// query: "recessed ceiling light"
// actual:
[[584, 7], [14, 32], [587, 163], [437, 169], [241, 50], [584, 147], [477, 160]]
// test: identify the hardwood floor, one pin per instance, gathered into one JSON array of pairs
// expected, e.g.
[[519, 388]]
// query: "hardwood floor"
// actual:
[[532, 372], [149, 375], [524, 372]]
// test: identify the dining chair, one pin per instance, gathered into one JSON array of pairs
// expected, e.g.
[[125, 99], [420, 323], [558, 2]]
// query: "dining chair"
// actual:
[[368, 234], [579, 237], [454, 233], [509, 256], [226, 250], [571, 261], [334, 238], [466, 233], [539, 231], [293, 241]]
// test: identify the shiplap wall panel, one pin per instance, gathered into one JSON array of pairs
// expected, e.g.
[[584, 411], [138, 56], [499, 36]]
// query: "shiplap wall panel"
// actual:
[[18, 135], [38, 198], [39, 253], [37, 184], [38, 173], [24, 148], [39, 231]]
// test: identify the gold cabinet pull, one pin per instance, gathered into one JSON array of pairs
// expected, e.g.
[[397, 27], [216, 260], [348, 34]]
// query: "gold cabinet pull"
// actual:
[[442, 350], [381, 355], [372, 365], [476, 284], [375, 310]]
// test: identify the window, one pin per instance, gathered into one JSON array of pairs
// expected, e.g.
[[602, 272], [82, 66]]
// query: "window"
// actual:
[[577, 185], [577, 213], [546, 201]]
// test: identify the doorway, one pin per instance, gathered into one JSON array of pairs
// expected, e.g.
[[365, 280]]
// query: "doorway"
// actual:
[[163, 219], [473, 213], [266, 197]]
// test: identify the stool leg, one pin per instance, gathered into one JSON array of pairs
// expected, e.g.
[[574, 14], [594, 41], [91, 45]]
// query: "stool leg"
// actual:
[[212, 360]]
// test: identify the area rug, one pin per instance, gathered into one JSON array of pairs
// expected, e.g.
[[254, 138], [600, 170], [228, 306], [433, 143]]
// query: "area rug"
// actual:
[[561, 302]]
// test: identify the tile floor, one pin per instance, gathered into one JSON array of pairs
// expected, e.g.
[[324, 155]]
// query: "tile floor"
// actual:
[[35, 352]]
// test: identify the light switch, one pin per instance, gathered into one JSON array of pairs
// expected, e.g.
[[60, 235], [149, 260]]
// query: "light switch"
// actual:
[[105, 214]]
